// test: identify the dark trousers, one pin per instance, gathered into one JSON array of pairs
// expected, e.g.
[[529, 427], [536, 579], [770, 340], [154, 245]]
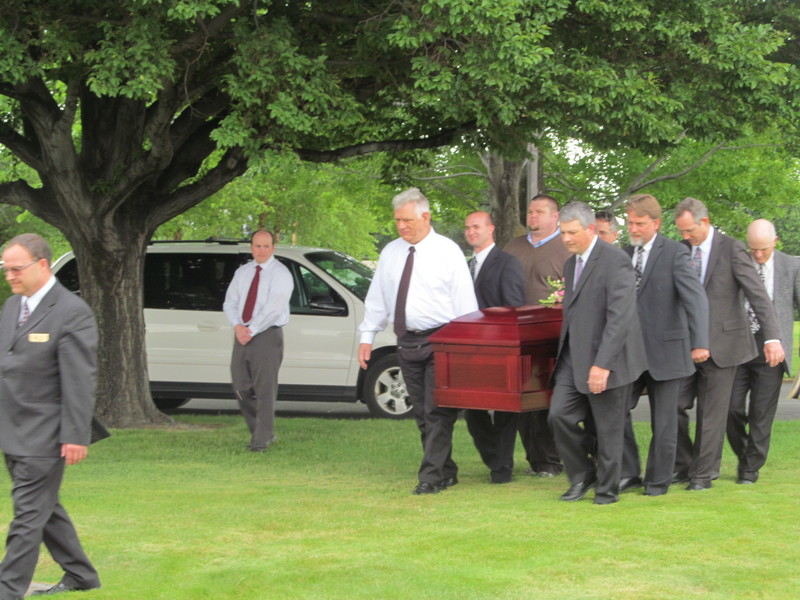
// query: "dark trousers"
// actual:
[[569, 409], [435, 423], [39, 517], [254, 370], [663, 397], [711, 386], [751, 444], [494, 434], [537, 439]]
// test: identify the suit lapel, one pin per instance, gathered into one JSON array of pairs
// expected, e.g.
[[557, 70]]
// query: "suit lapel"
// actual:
[[655, 251], [587, 268], [712, 257], [487, 265]]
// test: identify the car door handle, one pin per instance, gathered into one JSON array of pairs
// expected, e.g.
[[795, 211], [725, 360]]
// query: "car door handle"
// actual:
[[208, 326]]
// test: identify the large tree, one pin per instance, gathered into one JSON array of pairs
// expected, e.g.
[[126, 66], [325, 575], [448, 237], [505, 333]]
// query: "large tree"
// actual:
[[132, 111]]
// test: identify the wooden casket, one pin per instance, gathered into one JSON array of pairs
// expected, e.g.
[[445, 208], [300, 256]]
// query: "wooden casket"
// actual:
[[497, 359]]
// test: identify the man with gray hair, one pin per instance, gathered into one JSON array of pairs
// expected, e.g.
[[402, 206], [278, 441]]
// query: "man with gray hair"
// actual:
[[750, 423], [728, 276], [600, 355], [421, 283]]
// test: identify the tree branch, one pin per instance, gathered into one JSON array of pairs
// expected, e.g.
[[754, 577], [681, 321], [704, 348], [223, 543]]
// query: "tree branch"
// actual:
[[441, 139]]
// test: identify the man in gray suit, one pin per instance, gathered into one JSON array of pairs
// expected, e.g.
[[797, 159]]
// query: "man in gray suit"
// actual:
[[48, 347], [781, 276], [673, 313], [728, 276], [600, 354]]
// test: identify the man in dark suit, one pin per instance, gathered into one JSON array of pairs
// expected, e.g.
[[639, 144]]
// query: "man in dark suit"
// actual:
[[48, 346], [600, 354], [750, 424], [728, 276], [498, 282], [673, 314]]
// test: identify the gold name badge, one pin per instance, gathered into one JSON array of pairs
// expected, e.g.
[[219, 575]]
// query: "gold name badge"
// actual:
[[38, 337]]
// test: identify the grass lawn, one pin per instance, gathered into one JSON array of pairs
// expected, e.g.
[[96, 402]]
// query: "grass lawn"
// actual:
[[327, 513]]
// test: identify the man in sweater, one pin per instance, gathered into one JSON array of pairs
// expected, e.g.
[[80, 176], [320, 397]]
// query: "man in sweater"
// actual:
[[542, 255]]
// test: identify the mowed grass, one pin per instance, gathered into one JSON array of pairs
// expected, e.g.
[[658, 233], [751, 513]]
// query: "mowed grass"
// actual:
[[327, 513]]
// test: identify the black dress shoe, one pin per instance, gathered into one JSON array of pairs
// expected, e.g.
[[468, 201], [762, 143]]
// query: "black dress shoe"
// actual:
[[745, 481], [696, 486], [446, 483], [423, 487], [651, 491], [62, 587], [629, 483], [605, 499], [500, 477], [578, 490]]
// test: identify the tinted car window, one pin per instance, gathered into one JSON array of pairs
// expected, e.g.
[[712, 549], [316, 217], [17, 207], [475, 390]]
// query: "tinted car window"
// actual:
[[194, 281], [188, 281], [353, 275]]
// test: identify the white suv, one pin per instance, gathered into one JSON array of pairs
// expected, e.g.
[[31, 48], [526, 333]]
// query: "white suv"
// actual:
[[189, 340]]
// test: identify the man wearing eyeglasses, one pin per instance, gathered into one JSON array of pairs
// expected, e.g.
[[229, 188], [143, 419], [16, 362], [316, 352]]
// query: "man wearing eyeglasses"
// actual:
[[750, 424], [48, 352]]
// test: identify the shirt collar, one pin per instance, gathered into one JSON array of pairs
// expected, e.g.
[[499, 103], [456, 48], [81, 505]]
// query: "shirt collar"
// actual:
[[545, 240], [588, 251]]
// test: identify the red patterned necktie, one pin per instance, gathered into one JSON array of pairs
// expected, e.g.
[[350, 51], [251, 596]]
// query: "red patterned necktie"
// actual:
[[250, 302]]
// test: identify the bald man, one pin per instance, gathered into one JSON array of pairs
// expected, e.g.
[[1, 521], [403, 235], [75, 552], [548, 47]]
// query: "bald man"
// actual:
[[499, 281], [750, 425]]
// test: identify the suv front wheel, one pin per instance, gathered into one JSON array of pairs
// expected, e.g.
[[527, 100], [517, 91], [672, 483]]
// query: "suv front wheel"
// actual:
[[384, 390]]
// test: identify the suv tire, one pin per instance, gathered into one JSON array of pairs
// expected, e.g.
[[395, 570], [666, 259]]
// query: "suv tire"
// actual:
[[384, 391]]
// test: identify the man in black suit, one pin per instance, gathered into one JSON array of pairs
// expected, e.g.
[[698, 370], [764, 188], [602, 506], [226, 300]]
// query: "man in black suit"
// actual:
[[673, 314], [48, 346], [498, 282], [728, 276], [600, 354], [750, 424]]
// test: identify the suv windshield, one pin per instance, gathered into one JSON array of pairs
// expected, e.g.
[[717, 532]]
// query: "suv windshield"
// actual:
[[352, 274]]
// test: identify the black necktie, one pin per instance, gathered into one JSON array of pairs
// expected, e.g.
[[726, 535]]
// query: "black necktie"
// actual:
[[402, 295], [638, 267], [473, 263]]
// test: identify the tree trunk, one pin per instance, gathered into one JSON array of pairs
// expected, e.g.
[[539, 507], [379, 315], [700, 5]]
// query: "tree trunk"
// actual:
[[111, 272], [505, 180]]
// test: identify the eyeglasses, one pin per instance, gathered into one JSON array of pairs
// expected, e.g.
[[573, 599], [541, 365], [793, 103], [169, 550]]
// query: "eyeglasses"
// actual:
[[19, 269]]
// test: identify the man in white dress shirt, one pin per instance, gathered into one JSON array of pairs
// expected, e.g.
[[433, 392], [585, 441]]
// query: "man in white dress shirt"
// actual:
[[422, 282], [257, 306]]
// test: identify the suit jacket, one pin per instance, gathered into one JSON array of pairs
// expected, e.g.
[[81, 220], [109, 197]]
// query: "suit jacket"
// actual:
[[47, 375], [785, 296], [500, 282], [730, 277], [673, 310], [597, 318]]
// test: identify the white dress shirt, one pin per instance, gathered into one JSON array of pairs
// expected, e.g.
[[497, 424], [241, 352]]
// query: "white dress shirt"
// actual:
[[646, 247], [440, 290], [275, 286]]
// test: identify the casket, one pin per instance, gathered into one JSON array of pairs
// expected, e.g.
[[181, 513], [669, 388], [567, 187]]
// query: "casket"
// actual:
[[497, 358]]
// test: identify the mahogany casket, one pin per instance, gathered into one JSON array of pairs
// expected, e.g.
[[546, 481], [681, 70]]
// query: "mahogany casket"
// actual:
[[497, 358]]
